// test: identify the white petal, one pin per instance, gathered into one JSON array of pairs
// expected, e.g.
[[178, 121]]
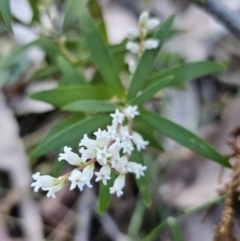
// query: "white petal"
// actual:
[[152, 23], [151, 44], [133, 47], [143, 18], [132, 33]]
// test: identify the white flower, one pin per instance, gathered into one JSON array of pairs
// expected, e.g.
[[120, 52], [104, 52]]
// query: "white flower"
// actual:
[[44, 181], [123, 165], [131, 111], [152, 23], [101, 138], [143, 18], [91, 145], [136, 168], [111, 133], [131, 66], [103, 155], [47, 183], [139, 141], [133, 47], [118, 185], [88, 143], [87, 153], [115, 148], [132, 33], [76, 178], [100, 134], [71, 157], [118, 117], [103, 175], [87, 174], [124, 134], [151, 44], [127, 147], [52, 190]]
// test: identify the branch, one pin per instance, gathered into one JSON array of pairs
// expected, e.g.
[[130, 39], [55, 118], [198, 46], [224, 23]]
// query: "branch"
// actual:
[[229, 18]]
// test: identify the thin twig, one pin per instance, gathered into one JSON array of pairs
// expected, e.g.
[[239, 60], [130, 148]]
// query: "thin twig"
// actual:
[[229, 18]]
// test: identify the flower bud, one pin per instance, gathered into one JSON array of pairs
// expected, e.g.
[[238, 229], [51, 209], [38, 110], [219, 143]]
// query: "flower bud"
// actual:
[[151, 44], [152, 23], [133, 47], [133, 33]]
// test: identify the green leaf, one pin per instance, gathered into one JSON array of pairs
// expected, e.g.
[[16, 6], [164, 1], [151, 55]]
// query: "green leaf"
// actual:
[[183, 136], [72, 75], [188, 71], [147, 61], [69, 130], [147, 133], [91, 106], [142, 182], [100, 54], [96, 13], [6, 13], [34, 6], [151, 90], [104, 196], [172, 223], [71, 14], [66, 95]]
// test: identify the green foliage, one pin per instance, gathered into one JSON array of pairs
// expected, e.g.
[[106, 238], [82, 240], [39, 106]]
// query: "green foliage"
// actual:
[[65, 95], [182, 136], [89, 100], [6, 13], [68, 131], [142, 182], [104, 196], [146, 63], [100, 53]]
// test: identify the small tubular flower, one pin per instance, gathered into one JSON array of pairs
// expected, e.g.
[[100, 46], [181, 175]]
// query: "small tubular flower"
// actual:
[[118, 185], [103, 175], [152, 23], [136, 168], [87, 174], [103, 155], [71, 157], [118, 117], [131, 111], [132, 33], [77, 180], [143, 18], [133, 47], [151, 44], [139, 141], [47, 183]]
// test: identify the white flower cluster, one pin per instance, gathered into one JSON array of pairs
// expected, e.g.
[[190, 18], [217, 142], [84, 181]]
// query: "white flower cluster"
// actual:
[[112, 149], [145, 24]]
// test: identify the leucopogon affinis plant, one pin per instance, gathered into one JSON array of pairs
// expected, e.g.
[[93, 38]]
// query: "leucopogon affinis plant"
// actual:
[[111, 149]]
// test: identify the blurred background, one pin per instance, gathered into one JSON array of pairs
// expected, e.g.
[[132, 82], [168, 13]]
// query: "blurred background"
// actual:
[[208, 106]]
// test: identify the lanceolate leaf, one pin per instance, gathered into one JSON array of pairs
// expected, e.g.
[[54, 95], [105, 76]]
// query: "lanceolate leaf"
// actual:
[[91, 106], [6, 13], [71, 14], [151, 90], [146, 63], [186, 72], [66, 95], [71, 129], [183, 136], [104, 196], [142, 182], [147, 133], [172, 223], [100, 53], [72, 75]]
